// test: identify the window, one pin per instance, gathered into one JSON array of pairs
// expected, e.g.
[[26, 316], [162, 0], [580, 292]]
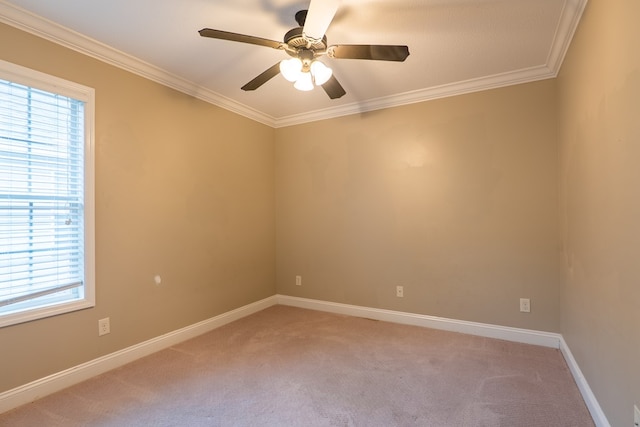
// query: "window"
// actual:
[[46, 195]]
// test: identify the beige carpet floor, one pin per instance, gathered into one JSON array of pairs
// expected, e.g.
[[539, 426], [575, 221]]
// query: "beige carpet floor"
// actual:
[[287, 366]]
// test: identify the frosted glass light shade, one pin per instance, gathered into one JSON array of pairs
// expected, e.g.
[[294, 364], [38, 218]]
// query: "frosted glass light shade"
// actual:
[[321, 73], [291, 69], [304, 82]]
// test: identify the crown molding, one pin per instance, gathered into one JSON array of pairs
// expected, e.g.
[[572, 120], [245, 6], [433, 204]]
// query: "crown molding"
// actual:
[[49, 30], [436, 92], [56, 33], [567, 26]]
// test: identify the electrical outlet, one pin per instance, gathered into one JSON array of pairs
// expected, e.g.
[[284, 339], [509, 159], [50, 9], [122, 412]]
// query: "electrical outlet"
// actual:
[[636, 416], [104, 326], [400, 291], [525, 305], [298, 280]]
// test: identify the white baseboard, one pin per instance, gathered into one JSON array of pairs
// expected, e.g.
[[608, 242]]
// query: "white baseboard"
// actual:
[[35, 390], [589, 398], [58, 381], [526, 336]]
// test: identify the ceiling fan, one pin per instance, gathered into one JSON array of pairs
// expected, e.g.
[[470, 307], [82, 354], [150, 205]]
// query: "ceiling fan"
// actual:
[[305, 44]]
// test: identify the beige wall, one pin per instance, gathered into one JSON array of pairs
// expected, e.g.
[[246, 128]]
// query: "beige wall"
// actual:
[[599, 117], [183, 189], [455, 199]]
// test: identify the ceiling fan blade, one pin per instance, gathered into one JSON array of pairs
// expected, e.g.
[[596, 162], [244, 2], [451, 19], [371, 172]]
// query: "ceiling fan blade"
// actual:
[[319, 16], [262, 78], [333, 88], [366, 51], [234, 37]]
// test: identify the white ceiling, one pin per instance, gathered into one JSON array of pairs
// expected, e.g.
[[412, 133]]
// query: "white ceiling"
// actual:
[[456, 46]]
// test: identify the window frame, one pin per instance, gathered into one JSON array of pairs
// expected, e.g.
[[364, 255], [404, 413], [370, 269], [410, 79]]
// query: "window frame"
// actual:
[[45, 82]]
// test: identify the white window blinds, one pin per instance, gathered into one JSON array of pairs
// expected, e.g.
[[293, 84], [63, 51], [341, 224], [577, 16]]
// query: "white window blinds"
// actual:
[[41, 198]]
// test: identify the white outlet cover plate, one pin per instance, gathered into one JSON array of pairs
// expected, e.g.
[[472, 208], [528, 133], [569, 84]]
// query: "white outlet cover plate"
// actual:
[[104, 326], [636, 415]]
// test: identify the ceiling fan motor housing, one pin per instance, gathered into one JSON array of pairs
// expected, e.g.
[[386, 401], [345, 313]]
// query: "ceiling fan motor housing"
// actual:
[[296, 40]]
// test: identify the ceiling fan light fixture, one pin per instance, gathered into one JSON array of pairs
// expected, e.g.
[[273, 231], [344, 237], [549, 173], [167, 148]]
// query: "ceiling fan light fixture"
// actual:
[[304, 82], [291, 69], [305, 73], [320, 73]]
